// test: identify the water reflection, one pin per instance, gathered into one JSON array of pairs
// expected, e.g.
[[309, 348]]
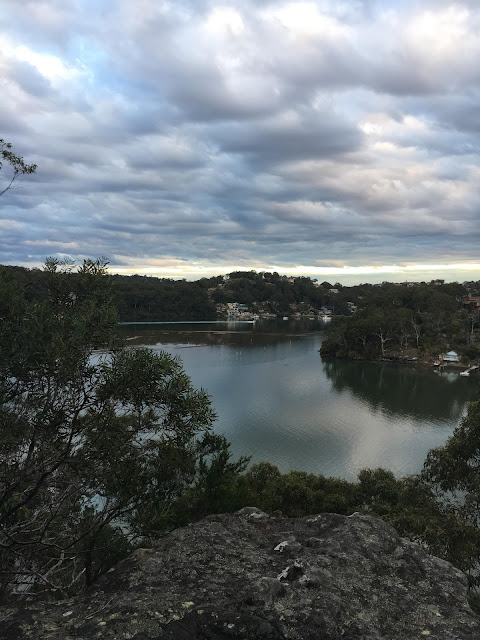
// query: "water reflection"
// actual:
[[263, 332], [401, 390], [277, 400]]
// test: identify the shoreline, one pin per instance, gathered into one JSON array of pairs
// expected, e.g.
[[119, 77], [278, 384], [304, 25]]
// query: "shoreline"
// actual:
[[420, 364]]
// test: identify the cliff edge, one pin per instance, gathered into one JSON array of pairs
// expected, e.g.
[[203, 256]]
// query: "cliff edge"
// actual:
[[250, 576]]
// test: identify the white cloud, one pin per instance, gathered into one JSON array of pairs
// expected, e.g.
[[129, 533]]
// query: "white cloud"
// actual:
[[225, 22], [306, 20]]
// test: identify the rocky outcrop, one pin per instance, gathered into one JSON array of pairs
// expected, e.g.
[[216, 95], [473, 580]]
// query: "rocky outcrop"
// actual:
[[247, 575]]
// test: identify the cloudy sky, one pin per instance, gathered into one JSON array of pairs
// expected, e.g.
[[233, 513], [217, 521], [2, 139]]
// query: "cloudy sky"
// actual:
[[191, 137]]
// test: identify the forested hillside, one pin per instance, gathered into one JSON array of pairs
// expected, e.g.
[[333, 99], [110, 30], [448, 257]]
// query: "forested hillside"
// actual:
[[141, 298], [136, 298], [409, 322]]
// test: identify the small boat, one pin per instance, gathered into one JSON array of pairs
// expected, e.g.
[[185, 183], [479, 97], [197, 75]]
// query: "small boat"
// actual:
[[470, 370]]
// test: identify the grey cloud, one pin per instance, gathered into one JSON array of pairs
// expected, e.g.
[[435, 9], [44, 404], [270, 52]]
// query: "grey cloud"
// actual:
[[306, 133], [459, 112], [28, 78]]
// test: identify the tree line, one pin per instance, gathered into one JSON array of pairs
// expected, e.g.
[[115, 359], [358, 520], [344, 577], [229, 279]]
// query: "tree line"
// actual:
[[145, 298], [401, 322], [135, 298]]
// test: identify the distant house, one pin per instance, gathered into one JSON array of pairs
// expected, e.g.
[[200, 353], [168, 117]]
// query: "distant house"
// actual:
[[473, 302], [451, 356], [237, 310], [333, 290]]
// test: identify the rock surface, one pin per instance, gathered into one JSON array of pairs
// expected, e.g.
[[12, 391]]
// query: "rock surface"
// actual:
[[249, 576]]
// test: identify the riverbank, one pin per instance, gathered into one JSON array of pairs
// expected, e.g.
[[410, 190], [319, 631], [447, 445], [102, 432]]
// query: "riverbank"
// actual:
[[415, 361]]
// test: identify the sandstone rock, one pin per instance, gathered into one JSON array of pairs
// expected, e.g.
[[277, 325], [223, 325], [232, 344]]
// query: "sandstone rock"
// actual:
[[231, 577]]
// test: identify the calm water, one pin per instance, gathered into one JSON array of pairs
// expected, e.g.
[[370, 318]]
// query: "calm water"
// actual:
[[277, 399]]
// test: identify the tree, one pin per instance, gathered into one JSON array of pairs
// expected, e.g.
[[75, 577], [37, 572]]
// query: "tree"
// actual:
[[218, 488], [404, 320], [453, 471], [473, 319], [88, 438], [17, 165], [381, 323], [417, 327]]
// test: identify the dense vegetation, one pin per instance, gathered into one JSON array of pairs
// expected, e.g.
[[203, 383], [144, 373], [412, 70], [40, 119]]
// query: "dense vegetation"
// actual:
[[404, 322], [94, 447], [136, 298], [273, 293], [142, 298]]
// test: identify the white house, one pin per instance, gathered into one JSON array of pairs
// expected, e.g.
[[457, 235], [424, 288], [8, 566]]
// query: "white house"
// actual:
[[451, 356]]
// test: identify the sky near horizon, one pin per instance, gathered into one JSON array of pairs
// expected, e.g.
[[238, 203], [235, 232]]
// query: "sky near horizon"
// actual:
[[334, 139]]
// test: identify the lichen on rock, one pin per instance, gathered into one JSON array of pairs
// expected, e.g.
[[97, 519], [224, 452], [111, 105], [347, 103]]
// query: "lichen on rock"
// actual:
[[232, 577]]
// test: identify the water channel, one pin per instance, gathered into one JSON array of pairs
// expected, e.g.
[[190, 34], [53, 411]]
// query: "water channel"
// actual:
[[277, 400]]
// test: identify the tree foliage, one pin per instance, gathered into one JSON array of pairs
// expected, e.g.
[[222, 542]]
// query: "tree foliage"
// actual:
[[92, 436], [18, 167], [400, 322], [453, 472], [140, 298]]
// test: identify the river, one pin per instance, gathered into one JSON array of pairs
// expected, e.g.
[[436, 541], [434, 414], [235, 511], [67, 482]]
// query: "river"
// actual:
[[278, 400]]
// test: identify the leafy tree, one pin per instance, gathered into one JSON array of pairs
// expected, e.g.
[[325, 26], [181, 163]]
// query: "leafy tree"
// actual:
[[404, 318], [18, 166], [337, 342], [297, 493], [453, 471], [88, 438], [411, 506], [218, 488], [416, 323], [382, 323]]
